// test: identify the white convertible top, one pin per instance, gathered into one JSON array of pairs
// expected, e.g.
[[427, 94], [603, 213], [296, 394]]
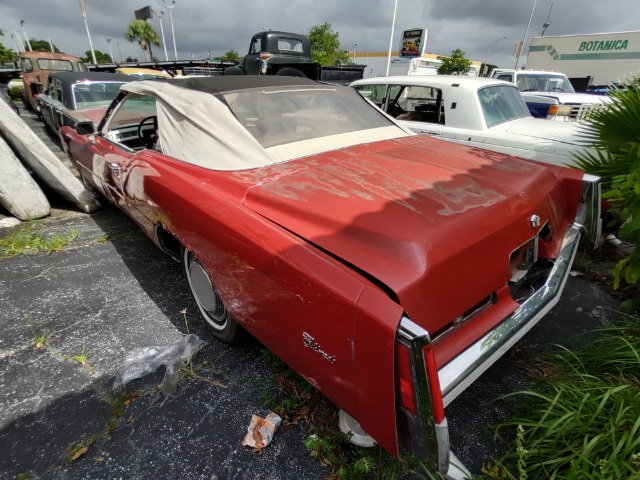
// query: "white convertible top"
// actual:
[[195, 126]]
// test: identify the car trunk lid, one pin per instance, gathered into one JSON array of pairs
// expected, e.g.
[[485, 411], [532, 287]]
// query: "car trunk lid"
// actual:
[[434, 222]]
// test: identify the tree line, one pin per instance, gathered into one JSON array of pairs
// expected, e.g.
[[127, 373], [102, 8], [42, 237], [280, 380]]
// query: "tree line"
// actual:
[[325, 47]]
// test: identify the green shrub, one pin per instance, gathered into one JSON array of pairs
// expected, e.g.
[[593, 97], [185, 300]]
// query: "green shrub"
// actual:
[[16, 93], [584, 422], [613, 132]]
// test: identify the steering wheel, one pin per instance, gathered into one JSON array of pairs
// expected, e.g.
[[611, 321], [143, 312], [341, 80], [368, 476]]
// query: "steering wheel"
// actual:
[[150, 137], [393, 107]]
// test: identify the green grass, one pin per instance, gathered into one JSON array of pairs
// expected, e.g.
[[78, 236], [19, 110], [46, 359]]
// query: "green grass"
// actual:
[[583, 421], [82, 358], [28, 239]]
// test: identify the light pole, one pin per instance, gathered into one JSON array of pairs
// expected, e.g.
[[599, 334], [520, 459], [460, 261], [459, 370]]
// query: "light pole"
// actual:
[[525, 33], [173, 33], [20, 42], [86, 25], [355, 45], [16, 44], [26, 37], [110, 51], [51, 45], [164, 44], [393, 26], [119, 51], [486, 59]]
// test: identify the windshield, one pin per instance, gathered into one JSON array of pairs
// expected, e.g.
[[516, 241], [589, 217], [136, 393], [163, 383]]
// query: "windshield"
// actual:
[[501, 103], [276, 117], [543, 83], [57, 65], [95, 94]]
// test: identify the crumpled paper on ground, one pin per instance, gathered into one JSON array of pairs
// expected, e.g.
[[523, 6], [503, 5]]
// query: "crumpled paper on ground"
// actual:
[[147, 360], [261, 430]]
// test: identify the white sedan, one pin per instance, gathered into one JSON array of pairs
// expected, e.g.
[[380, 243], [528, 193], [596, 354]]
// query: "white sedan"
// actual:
[[478, 112]]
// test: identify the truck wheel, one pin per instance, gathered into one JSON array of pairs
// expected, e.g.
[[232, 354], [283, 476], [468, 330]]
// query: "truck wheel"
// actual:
[[291, 72], [233, 71]]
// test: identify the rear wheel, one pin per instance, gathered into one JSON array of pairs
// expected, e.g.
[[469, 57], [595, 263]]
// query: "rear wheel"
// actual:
[[214, 313]]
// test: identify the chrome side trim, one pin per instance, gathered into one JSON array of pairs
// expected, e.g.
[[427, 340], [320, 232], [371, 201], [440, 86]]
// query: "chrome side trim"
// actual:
[[429, 441], [464, 369], [589, 211]]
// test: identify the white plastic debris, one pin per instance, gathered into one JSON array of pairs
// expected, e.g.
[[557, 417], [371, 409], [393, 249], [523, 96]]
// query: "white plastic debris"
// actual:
[[261, 430], [612, 240], [147, 360]]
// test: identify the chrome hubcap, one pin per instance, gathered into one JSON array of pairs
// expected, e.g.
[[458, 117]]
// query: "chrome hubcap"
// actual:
[[202, 287]]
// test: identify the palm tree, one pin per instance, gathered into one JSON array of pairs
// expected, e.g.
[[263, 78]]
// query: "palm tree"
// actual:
[[144, 34], [613, 131]]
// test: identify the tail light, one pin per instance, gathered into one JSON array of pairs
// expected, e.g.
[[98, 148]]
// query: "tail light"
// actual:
[[407, 393]]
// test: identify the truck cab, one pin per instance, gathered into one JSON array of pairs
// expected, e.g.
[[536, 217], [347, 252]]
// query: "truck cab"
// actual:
[[36, 67], [271, 52], [285, 53], [550, 95]]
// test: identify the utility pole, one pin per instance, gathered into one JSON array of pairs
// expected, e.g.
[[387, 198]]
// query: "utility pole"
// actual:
[[393, 26], [17, 44], [110, 51], [164, 44], [525, 33], [173, 33], [86, 25], [546, 24], [26, 37]]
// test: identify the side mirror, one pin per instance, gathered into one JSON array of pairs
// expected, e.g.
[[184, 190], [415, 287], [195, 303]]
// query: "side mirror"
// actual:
[[85, 128]]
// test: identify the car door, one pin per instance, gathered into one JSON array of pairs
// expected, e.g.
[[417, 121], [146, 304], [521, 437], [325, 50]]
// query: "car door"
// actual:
[[45, 100], [251, 63], [422, 107], [57, 103], [123, 136], [108, 154]]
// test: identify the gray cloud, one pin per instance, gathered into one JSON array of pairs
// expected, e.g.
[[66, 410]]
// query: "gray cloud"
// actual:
[[221, 26]]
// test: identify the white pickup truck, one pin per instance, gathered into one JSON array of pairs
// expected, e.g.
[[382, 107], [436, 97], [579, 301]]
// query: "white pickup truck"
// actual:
[[550, 94]]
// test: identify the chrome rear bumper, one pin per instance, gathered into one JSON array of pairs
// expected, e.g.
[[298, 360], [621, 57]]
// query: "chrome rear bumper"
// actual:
[[465, 368]]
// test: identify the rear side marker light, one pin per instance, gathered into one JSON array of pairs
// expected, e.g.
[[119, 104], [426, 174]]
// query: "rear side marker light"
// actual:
[[434, 384]]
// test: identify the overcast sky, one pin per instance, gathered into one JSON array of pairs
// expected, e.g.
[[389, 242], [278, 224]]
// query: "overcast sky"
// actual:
[[200, 26]]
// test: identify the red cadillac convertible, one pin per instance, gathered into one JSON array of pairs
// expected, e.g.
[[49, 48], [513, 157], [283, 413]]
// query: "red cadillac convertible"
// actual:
[[389, 269]]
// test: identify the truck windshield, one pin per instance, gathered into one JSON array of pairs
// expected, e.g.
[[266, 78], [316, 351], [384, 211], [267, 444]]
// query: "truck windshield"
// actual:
[[501, 103], [53, 64], [543, 83]]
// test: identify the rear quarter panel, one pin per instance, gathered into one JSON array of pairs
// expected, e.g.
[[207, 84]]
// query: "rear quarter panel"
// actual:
[[277, 286]]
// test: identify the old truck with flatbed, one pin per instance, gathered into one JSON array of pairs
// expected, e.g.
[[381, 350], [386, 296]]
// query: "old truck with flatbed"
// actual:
[[284, 53]]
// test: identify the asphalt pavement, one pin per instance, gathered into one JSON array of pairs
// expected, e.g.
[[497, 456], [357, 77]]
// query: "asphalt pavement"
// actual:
[[110, 292]]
